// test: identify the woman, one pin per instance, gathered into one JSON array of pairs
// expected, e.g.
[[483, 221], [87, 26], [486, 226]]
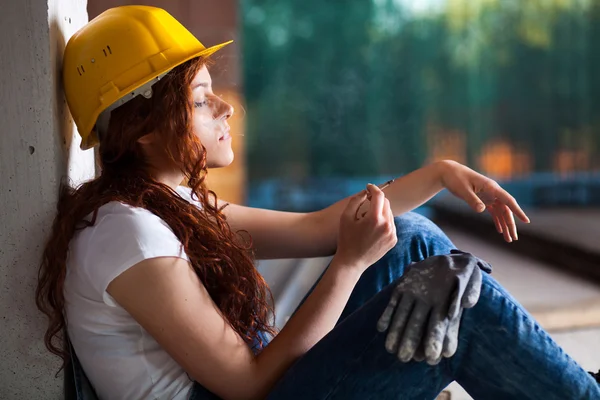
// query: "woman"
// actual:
[[159, 295]]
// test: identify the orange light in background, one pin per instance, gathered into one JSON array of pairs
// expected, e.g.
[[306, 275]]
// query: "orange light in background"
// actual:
[[446, 145], [568, 161], [501, 160]]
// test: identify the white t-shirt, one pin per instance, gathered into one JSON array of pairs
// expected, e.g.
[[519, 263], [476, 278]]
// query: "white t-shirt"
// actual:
[[121, 360]]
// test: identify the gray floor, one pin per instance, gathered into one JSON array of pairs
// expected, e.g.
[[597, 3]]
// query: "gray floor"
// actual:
[[568, 307], [578, 227]]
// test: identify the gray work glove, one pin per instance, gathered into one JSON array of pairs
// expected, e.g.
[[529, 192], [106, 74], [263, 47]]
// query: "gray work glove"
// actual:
[[427, 305]]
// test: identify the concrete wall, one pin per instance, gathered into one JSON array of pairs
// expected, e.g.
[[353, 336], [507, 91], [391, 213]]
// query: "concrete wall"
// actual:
[[37, 148]]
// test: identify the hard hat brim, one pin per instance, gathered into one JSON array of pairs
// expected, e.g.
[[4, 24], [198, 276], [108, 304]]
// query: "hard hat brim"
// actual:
[[211, 50]]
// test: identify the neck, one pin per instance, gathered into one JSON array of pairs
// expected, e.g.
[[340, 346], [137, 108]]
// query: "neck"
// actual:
[[161, 168], [172, 178]]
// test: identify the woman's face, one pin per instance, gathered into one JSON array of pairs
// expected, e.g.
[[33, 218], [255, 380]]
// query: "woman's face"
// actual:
[[210, 121]]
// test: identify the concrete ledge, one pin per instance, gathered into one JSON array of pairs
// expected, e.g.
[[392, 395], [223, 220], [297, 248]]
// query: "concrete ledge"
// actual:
[[583, 315]]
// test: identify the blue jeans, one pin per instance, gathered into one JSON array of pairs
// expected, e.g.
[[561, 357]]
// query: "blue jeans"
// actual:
[[502, 353]]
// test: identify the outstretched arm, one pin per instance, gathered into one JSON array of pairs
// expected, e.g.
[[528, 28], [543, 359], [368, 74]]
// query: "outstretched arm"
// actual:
[[301, 235], [293, 235]]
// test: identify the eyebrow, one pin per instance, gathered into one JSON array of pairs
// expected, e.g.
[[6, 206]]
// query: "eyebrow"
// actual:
[[201, 84]]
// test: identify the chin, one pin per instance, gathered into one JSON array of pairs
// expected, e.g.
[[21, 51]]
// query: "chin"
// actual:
[[224, 160]]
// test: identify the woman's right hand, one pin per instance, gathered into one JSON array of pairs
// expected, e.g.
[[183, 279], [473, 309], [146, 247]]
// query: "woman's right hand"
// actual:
[[364, 240]]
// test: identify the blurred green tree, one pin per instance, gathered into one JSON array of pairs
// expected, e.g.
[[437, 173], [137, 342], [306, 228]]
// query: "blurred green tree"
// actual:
[[346, 89]]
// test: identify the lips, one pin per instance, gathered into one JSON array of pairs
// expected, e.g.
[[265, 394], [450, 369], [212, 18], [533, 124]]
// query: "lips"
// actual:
[[226, 135]]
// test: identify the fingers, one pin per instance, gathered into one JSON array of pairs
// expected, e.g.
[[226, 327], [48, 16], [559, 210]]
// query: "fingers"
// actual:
[[387, 210], [503, 207], [413, 333], [455, 304], [451, 339], [505, 230], [420, 353], [397, 327], [385, 319], [388, 214], [473, 200], [434, 341], [496, 219], [498, 216], [505, 198], [497, 193], [355, 203], [377, 199], [504, 221], [485, 266], [358, 211], [473, 289], [509, 221]]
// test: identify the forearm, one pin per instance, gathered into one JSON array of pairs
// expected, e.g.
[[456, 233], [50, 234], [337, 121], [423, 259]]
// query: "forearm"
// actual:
[[415, 189], [313, 320], [405, 194]]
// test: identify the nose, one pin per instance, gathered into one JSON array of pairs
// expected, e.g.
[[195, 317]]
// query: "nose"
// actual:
[[222, 110]]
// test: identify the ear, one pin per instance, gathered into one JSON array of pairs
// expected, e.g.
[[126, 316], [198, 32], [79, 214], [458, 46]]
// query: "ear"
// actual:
[[147, 139]]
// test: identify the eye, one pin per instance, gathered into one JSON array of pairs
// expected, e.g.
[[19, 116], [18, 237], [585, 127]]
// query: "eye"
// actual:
[[199, 103]]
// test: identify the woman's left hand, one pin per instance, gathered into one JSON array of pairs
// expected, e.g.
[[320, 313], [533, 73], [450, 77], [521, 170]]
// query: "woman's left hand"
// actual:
[[481, 193]]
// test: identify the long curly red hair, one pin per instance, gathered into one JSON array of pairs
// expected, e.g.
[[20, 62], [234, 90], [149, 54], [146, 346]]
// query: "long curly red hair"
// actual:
[[222, 259]]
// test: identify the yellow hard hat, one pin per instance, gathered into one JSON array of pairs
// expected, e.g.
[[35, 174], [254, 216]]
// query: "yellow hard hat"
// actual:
[[119, 55]]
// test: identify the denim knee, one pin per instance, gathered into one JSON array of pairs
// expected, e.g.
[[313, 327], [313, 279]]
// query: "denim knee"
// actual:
[[414, 229]]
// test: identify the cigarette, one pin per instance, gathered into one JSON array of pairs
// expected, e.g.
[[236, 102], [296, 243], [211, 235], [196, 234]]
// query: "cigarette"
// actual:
[[381, 187], [388, 183]]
